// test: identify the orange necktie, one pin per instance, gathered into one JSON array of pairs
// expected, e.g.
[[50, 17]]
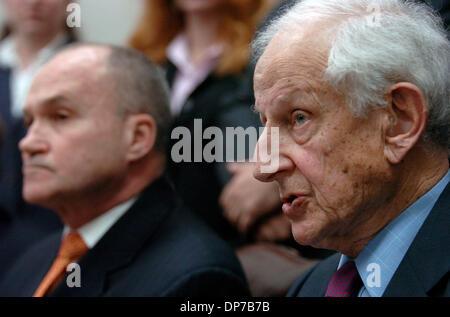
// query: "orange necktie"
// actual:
[[72, 248]]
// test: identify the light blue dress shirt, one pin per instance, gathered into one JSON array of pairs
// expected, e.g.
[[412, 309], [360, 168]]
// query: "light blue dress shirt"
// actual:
[[379, 260]]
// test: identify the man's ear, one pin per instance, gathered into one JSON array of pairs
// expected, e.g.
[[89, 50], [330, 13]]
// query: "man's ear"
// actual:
[[141, 136], [405, 121]]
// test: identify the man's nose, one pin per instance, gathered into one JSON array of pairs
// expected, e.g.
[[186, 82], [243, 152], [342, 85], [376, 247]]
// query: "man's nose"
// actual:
[[268, 157], [33, 142]]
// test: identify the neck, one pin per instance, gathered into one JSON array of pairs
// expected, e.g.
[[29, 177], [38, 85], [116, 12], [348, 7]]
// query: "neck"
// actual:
[[417, 174], [78, 211], [28, 46], [202, 30]]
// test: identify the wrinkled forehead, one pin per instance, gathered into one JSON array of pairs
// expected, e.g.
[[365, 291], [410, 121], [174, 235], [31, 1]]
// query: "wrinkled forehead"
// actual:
[[287, 67], [293, 52]]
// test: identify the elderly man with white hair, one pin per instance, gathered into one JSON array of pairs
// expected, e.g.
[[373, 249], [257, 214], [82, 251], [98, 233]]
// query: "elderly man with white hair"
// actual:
[[358, 93]]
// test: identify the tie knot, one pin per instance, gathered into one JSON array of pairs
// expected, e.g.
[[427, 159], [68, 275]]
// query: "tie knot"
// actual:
[[72, 247], [346, 282], [348, 270]]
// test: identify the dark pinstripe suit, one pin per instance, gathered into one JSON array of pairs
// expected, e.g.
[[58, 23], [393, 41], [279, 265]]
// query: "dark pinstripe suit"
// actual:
[[156, 249]]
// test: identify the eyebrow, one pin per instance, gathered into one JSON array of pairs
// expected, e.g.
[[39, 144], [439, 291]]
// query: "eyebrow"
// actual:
[[58, 99]]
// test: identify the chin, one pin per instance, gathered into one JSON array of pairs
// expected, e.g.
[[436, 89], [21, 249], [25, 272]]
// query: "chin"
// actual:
[[36, 197], [304, 234], [310, 233]]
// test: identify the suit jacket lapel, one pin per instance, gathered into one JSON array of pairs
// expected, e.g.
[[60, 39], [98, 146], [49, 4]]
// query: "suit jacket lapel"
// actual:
[[123, 241], [316, 284], [28, 271], [428, 259]]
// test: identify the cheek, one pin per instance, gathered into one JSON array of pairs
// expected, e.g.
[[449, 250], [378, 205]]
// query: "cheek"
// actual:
[[92, 150], [315, 163], [16, 14], [101, 152], [330, 174], [57, 12], [353, 174]]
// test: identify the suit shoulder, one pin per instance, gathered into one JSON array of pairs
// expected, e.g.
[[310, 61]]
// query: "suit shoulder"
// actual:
[[27, 271], [187, 232], [184, 258], [207, 281]]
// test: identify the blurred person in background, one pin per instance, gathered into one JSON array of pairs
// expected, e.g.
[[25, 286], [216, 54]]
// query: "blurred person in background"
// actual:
[[204, 46], [35, 30]]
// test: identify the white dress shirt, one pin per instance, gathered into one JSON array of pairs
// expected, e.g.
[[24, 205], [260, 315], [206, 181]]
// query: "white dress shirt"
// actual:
[[94, 230]]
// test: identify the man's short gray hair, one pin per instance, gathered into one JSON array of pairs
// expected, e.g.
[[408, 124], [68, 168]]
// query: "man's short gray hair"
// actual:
[[375, 44], [141, 88]]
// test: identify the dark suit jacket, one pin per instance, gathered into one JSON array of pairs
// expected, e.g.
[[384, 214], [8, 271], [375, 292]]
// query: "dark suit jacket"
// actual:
[[220, 102], [156, 249], [424, 271]]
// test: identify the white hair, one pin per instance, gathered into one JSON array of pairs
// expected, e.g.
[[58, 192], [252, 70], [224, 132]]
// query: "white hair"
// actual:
[[375, 44]]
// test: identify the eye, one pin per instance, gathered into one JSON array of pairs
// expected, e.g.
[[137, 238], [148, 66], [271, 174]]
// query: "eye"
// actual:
[[60, 116], [299, 118]]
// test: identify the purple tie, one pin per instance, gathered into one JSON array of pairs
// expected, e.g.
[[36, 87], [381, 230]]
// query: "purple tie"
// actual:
[[346, 282]]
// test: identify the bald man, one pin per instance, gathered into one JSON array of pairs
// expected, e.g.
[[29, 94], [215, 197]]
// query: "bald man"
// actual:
[[97, 124]]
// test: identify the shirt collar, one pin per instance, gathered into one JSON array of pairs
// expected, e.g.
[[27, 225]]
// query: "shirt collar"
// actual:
[[8, 55], [94, 230], [178, 54], [379, 260]]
